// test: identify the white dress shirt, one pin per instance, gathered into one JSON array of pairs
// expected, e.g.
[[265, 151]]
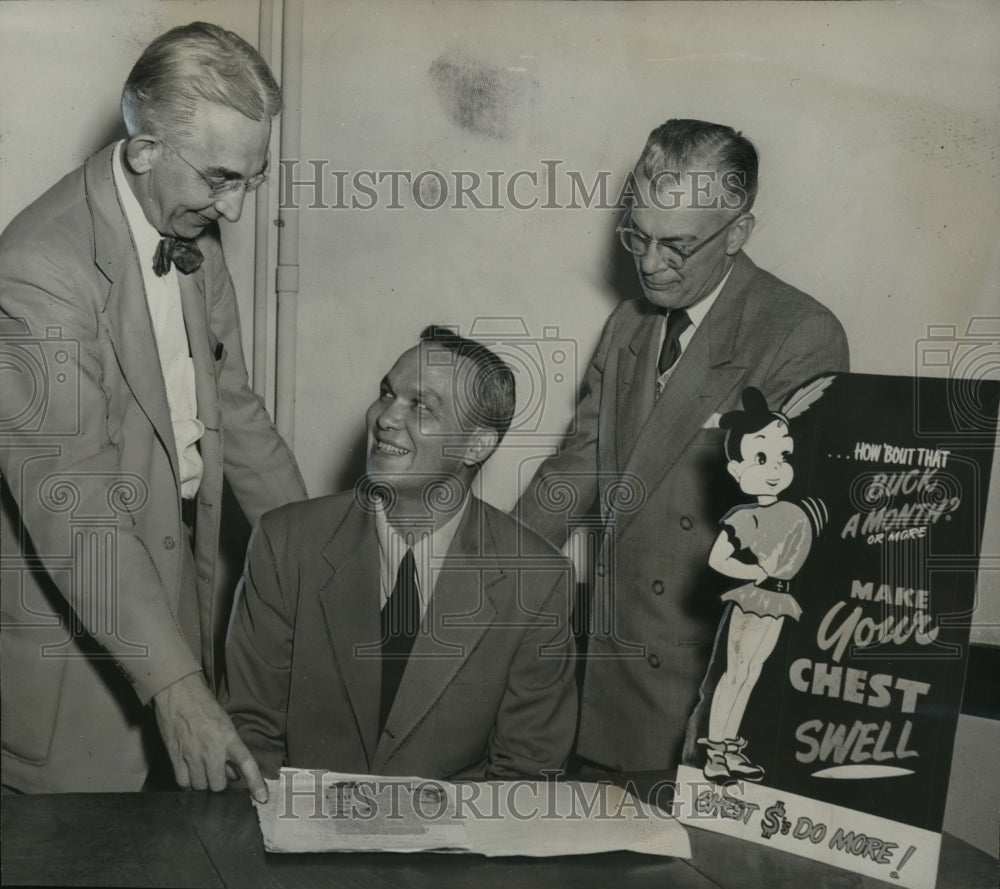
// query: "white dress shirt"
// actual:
[[429, 549], [163, 297], [697, 314]]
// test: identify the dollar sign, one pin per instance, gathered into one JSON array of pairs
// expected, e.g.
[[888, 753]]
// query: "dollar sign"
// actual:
[[773, 816]]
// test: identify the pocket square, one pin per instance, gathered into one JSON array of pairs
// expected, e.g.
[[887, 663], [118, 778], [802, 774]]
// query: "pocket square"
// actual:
[[713, 421]]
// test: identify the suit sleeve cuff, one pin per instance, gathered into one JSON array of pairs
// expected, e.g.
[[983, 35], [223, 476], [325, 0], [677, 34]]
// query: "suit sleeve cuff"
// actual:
[[149, 680]]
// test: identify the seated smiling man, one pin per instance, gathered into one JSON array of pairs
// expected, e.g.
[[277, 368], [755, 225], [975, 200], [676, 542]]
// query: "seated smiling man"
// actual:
[[406, 627]]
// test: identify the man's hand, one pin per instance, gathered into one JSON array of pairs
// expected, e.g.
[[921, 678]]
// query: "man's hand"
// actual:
[[201, 739]]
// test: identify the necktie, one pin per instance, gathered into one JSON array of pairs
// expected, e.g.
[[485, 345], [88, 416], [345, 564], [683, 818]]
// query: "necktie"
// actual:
[[677, 322], [184, 254], [400, 622]]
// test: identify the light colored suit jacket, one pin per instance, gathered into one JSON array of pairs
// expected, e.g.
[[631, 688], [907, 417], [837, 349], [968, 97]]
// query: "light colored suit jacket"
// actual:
[[102, 602], [488, 688], [658, 470]]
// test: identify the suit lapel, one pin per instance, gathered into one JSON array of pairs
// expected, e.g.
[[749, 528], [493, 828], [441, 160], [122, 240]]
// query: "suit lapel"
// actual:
[[702, 380], [126, 311], [636, 381], [460, 612], [349, 597], [193, 306]]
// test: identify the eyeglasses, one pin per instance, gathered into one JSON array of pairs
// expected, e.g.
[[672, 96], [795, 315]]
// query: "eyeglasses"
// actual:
[[220, 185], [638, 243]]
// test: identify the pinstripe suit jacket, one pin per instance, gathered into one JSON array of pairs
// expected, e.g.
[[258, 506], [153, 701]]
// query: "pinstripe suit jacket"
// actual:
[[657, 468]]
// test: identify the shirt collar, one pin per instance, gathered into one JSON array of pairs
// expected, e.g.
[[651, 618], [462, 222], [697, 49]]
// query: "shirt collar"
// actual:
[[427, 545], [699, 310]]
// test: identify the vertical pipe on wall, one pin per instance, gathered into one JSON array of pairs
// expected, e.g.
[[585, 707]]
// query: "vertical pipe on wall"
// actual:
[[287, 279], [261, 230]]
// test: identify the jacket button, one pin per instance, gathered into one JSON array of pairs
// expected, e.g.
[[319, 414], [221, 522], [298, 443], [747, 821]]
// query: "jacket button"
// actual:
[[658, 587], [686, 523], [654, 661], [601, 570], [169, 542]]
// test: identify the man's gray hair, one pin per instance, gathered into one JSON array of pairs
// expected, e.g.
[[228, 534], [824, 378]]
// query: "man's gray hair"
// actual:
[[687, 145], [194, 63]]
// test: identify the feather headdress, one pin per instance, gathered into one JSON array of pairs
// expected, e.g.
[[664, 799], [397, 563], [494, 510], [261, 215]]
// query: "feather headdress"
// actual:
[[798, 402]]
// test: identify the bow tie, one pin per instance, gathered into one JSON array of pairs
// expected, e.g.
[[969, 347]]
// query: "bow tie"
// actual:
[[184, 254]]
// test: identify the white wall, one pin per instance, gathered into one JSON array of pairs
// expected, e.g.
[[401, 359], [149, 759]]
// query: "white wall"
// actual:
[[62, 66], [877, 126]]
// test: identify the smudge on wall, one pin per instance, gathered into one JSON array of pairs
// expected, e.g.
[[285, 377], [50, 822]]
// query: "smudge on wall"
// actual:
[[479, 96]]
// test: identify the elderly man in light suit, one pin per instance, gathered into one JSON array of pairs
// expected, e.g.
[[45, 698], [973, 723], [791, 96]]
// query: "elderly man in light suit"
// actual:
[[710, 324], [408, 628], [125, 401]]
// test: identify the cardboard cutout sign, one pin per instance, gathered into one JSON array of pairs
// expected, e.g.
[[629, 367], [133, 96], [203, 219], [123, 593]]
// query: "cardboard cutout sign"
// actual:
[[828, 714]]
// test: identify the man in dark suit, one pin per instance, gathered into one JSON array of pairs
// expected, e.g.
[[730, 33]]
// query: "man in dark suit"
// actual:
[[408, 628], [647, 445], [124, 399]]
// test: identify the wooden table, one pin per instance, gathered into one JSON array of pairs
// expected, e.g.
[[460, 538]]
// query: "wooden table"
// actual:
[[208, 840]]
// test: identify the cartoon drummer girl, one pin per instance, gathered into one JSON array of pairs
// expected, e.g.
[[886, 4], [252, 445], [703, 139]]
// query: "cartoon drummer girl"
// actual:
[[764, 544]]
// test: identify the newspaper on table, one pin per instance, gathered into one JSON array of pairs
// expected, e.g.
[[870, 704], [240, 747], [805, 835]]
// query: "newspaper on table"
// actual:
[[312, 810]]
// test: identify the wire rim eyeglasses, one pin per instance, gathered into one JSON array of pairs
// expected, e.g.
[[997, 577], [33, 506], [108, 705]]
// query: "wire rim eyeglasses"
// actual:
[[637, 242], [220, 185]]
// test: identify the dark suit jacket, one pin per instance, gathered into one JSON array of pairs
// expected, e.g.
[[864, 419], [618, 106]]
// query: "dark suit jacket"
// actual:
[[658, 470], [97, 572], [488, 688]]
